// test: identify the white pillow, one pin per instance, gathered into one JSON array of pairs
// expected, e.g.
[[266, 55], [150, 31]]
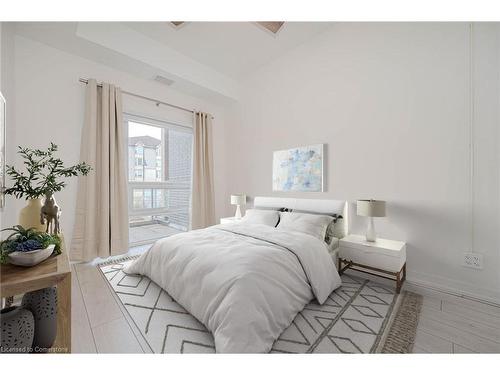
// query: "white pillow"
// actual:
[[314, 225], [336, 229], [266, 217]]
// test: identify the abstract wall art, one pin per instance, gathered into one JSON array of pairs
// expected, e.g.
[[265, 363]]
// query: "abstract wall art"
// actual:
[[298, 169]]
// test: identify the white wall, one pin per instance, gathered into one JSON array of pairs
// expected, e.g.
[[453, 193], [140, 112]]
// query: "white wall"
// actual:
[[391, 101], [7, 87], [49, 106], [1, 27]]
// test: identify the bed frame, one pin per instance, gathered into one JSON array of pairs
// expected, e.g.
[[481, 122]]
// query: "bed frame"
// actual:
[[320, 206]]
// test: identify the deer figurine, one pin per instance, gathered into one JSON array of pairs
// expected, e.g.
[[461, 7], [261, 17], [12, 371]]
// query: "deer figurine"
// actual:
[[51, 213]]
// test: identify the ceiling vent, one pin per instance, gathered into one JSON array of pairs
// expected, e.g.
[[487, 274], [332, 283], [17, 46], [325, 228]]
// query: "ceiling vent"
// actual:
[[163, 80]]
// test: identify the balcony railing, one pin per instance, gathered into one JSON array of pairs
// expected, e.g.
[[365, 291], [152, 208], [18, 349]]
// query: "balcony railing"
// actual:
[[166, 203]]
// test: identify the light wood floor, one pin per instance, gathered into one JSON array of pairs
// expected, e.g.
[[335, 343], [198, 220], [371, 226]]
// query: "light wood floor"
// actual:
[[150, 232], [448, 324]]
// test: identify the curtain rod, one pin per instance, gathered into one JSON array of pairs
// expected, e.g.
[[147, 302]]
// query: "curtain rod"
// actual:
[[158, 102]]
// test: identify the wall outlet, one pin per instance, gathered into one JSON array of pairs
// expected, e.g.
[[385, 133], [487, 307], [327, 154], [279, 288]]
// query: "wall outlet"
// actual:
[[473, 260]]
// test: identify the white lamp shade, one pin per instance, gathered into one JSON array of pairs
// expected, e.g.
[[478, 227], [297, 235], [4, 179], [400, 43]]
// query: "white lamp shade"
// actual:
[[239, 199], [371, 208]]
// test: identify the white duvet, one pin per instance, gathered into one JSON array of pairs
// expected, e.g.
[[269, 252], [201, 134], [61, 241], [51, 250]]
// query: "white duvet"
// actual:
[[244, 282]]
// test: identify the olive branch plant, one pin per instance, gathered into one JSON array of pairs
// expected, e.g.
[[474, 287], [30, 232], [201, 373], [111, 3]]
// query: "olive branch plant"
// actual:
[[43, 175]]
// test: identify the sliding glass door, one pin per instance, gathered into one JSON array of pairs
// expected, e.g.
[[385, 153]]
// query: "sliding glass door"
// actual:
[[159, 175]]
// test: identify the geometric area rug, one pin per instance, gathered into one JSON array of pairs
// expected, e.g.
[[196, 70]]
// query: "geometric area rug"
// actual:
[[359, 317]]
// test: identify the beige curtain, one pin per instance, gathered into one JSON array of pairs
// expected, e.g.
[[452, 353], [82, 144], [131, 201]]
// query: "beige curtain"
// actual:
[[101, 223], [202, 204]]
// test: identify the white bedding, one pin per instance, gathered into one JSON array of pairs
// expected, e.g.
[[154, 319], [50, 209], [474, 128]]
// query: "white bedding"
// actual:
[[244, 282]]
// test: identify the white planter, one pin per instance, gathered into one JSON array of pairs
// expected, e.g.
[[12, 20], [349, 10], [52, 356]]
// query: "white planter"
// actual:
[[30, 258]]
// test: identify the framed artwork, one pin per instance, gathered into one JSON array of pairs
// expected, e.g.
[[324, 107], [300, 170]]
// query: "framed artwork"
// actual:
[[298, 169], [3, 119]]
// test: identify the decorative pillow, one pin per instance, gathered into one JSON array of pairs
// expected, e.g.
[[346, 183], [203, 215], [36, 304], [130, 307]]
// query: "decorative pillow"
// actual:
[[335, 229], [266, 217], [314, 225]]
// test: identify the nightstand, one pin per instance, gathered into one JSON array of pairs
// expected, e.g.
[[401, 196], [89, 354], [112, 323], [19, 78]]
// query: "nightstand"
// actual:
[[229, 220], [379, 258]]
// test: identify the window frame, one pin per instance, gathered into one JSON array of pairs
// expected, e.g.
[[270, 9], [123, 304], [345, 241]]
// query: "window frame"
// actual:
[[167, 185]]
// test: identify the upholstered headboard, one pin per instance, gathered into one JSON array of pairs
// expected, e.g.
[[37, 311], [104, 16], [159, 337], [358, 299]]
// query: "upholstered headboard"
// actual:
[[320, 206]]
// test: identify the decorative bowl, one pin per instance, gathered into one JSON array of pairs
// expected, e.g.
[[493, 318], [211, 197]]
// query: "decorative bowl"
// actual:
[[30, 258]]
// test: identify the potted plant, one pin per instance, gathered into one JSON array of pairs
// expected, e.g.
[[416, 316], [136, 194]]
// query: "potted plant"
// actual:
[[28, 247], [43, 176]]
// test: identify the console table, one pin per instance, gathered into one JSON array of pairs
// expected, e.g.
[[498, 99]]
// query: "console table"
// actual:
[[56, 270]]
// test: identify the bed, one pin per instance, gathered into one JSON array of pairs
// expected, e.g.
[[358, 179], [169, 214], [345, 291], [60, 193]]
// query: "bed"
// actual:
[[246, 281]]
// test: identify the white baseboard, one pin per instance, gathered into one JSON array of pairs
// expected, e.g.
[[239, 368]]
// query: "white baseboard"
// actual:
[[446, 286], [453, 287]]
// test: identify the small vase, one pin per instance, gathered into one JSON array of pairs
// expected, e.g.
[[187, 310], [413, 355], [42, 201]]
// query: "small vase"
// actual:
[[18, 329], [29, 216], [43, 304]]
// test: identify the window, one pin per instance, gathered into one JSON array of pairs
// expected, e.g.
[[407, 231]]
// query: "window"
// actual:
[[138, 174], [138, 199], [159, 155], [139, 155]]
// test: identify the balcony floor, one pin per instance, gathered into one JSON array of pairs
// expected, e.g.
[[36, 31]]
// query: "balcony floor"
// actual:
[[150, 233]]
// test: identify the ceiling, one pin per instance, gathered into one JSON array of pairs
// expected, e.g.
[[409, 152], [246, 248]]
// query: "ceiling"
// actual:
[[64, 36], [205, 59], [232, 48]]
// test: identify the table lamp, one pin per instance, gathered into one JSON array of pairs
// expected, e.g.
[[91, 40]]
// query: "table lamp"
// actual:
[[238, 200], [370, 208]]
